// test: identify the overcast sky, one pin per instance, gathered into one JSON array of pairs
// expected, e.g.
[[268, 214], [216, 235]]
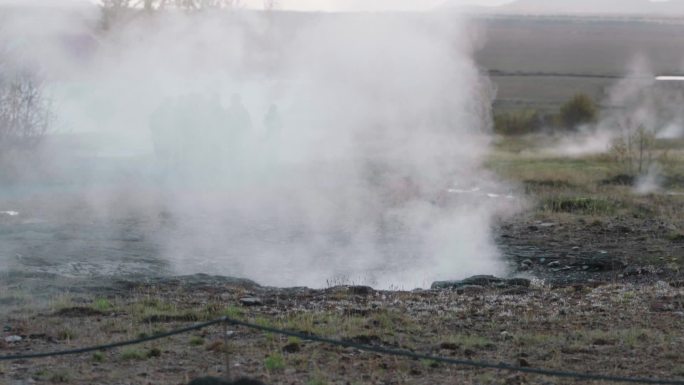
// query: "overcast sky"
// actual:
[[374, 5], [317, 5]]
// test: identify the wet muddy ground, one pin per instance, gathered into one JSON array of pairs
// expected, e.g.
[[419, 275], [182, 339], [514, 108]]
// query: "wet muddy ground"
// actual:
[[561, 251], [605, 297]]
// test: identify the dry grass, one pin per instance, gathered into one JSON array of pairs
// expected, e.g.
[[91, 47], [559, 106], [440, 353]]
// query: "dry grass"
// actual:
[[610, 329]]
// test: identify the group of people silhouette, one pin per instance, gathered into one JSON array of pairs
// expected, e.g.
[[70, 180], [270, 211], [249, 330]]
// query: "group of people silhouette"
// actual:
[[196, 133]]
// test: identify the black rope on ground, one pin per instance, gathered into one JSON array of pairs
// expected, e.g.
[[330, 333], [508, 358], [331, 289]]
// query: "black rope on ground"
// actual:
[[137, 341], [347, 344], [451, 361]]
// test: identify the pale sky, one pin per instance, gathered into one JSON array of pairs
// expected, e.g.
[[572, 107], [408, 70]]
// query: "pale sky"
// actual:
[[316, 5], [374, 5]]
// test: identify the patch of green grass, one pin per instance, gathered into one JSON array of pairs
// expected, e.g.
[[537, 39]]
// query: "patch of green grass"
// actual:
[[581, 205], [196, 341], [430, 363], [102, 304], [60, 376], [274, 362], [132, 354], [468, 341], [98, 357], [234, 312], [66, 335], [533, 339]]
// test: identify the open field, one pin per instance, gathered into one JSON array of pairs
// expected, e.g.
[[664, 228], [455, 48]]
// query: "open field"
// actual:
[[605, 297], [588, 206], [583, 46]]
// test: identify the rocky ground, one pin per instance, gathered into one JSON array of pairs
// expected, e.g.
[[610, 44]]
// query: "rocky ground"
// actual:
[[607, 319], [576, 249], [591, 288]]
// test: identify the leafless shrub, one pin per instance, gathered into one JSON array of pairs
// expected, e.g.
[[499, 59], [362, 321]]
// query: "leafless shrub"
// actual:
[[635, 148], [25, 113]]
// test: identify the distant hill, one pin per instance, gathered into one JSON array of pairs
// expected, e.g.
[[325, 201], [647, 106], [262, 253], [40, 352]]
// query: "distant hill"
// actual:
[[582, 7]]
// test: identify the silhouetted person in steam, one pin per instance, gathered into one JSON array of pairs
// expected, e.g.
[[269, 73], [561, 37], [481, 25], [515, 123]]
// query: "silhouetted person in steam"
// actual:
[[166, 135], [272, 122], [239, 127], [238, 117], [272, 136]]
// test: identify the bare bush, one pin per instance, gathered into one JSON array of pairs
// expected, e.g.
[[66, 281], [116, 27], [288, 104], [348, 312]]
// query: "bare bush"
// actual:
[[635, 148], [25, 113]]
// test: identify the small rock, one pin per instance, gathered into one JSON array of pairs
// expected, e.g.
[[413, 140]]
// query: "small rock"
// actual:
[[523, 363], [251, 301], [470, 289], [516, 379], [517, 290], [7, 328], [361, 290], [634, 270], [448, 346], [293, 347], [506, 335], [11, 339], [527, 262], [661, 306], [554, 264], [523, 282], [601, 342]]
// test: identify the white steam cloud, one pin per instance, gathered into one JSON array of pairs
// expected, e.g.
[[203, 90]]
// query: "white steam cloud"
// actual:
[[290, 149]]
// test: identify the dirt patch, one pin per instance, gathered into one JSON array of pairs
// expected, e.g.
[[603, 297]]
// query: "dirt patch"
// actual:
[[78, 311]]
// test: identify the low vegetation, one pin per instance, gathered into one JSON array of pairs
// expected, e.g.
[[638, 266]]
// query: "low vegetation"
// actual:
[[619, 329]]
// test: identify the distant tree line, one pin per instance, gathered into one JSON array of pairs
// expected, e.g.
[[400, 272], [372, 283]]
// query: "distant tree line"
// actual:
[[116, 10], [576, 112]]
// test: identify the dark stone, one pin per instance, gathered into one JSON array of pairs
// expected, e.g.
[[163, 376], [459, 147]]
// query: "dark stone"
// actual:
[[619, 180], [601, 342], [523, 282], [598, 262], [634, 270], [220, 381], [523, 363], [482, 281], [251, 301], [78, 311], [448, 346], [164, 318], [365, 340], [361, 290], [470, 289], [360, 312], [519, 290], [292, 348]]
